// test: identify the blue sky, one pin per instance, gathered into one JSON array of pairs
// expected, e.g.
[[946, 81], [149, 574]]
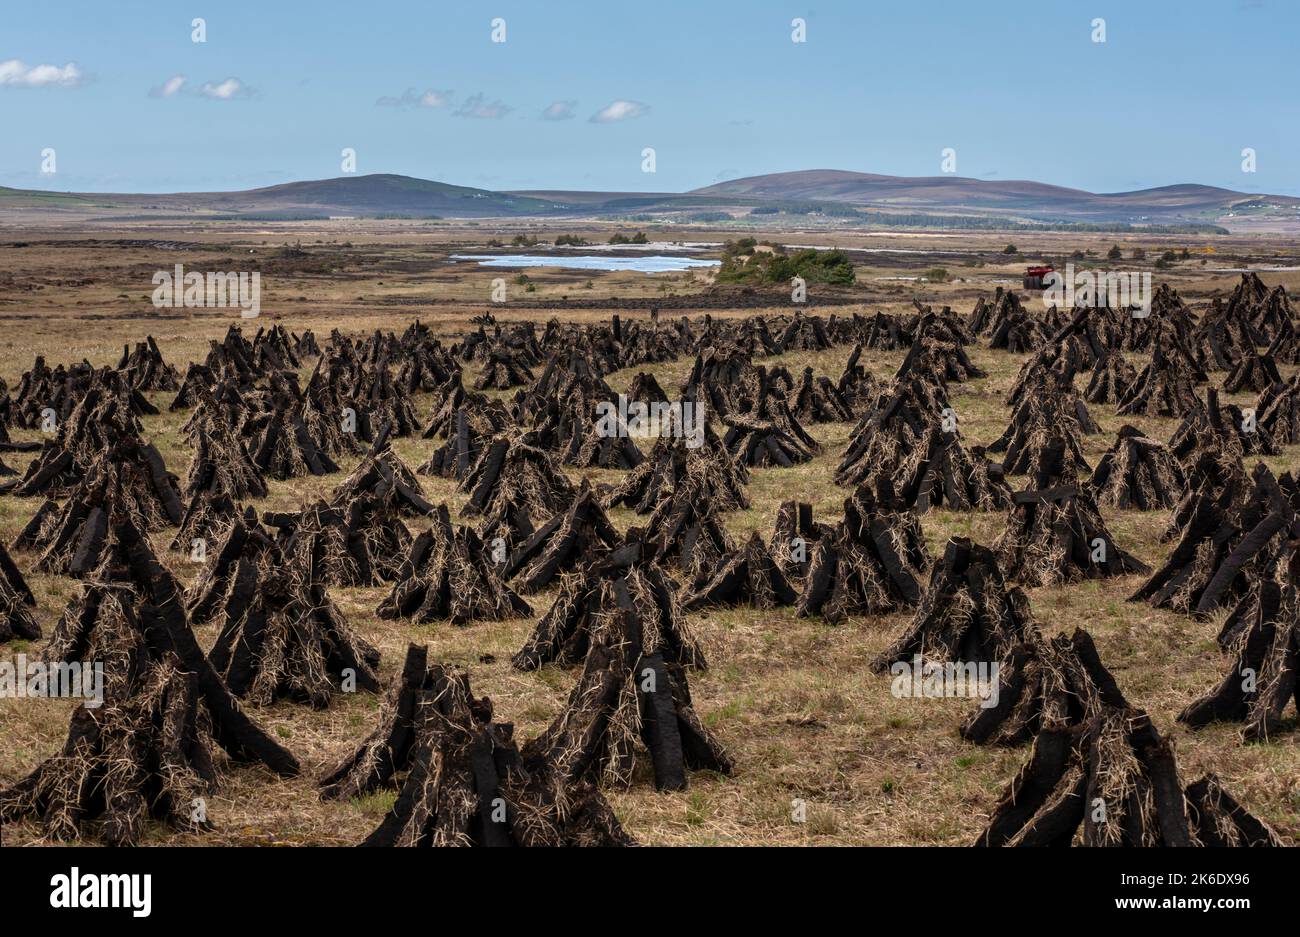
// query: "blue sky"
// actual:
[[718, 88]]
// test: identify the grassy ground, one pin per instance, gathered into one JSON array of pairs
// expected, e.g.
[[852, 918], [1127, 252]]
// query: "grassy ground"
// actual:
[[793, 701]]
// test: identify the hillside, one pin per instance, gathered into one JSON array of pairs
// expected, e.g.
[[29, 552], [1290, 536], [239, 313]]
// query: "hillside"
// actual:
[[821, 190], [1019, 197], [368, 196]]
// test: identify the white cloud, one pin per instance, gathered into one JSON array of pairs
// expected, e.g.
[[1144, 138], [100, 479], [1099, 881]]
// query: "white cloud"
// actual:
[[433, 98], [169, 88], [19, 74], [226, 90], [412, 98], [559, 110], [480, 107], [620, 110]]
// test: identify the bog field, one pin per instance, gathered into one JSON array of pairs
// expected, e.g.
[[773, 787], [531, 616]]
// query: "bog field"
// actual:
[[433, 552]]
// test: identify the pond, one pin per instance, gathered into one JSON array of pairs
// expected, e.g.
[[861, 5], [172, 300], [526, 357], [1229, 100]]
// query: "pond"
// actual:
[[656, 263]]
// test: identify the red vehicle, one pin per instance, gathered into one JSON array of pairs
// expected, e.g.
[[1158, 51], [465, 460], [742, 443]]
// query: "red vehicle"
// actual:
[[1034, 276]]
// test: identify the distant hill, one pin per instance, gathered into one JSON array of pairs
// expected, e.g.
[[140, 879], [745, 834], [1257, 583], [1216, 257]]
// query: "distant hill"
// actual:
[[1036, 200], [950, 200], [384, 194], [380, 194]]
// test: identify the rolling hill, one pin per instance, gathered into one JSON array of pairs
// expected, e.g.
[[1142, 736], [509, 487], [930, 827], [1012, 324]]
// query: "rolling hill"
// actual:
[[1013, 197], [826, 191], [379, 194]]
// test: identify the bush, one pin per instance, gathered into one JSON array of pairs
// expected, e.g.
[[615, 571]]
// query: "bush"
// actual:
[[638, 238], [937, 275], [571, 240], [1010, 249], [742, 262], [1114, 253]]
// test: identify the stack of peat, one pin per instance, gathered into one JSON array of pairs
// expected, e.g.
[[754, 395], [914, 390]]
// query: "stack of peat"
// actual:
[[465, 420], [282, 636], [1057, 682], [146, 751], [1263, 636], [707, 467], [16, 601], [1055, 532], [1227, 546], [1117, 777], [748, 576], [449, 575], [794, 535], [511, 470], [1054, 415], [1137, 474], [360, 528], [620, 618], [127, 480], [686, 531], [580, 533], [1164, 388], [968, 613], [871, 562], [458, 774], [767, 433]]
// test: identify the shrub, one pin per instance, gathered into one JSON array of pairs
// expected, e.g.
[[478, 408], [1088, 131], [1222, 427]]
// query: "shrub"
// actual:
[[742, 262]]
